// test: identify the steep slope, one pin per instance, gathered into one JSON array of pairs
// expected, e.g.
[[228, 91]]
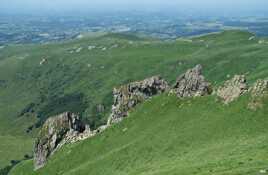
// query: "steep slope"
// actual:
[[38, 81], [170, 136]]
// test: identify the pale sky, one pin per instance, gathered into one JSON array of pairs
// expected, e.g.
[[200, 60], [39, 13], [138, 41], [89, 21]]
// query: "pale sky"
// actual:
[[99, 4]]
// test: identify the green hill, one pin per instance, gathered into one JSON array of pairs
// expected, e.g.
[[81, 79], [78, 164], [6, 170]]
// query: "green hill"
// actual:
[[170, 136], [38, 81]]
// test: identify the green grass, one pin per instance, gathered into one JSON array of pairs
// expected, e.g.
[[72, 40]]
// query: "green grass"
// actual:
[[78, 82], [168, 136], [14, 147]]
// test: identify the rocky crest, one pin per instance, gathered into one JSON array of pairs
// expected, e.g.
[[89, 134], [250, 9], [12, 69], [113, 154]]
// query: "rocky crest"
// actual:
[[128, 96], [192, 84], [258, 91], [259, 88], [52, 133], [232, 89], [68, 128]]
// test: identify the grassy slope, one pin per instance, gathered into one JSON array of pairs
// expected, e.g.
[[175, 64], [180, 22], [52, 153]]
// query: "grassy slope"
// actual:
[[66, 76], [168, 136]]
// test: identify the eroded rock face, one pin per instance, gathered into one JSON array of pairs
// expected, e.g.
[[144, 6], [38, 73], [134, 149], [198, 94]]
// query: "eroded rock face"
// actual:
[[259, 88], [52, 133], [73, 136], [128, 96], [192, 84], [232, 89], [258, 91]]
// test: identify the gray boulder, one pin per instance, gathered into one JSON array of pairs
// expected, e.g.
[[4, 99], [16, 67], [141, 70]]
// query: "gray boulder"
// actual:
[[258, 91], [128, 96], [232, 89], [259, 88], [52, 133], [192, 84]]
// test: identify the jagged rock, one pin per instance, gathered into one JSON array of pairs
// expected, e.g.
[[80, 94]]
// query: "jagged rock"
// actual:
[[259, 88], [258, 91], [192, 84], [73, 136], [232, 89], [128, 96], [52, 133]]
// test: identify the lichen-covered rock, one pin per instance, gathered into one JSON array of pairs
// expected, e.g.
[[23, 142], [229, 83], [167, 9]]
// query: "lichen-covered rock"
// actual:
[[128, 96], [259, 88], [232, 89], [73, 136], [192, 84], [52, 133], [258, 91]]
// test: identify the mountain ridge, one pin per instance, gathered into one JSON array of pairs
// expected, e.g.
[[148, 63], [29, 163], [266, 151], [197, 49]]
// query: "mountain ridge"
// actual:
[[70, 70]]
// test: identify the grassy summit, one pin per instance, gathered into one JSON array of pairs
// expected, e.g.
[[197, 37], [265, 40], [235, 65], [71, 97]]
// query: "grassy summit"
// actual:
[[38, 81]]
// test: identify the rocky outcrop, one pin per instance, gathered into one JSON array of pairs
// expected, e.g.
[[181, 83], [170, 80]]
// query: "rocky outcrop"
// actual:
[[237, 86], [232, 89], [68, 128], [192, 84], [53, 132], [75, 136], [259, 88], [128, 96], [58, 131], [258, 91]]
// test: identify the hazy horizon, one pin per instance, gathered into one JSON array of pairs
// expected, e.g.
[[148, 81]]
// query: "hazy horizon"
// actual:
[[227, 6]]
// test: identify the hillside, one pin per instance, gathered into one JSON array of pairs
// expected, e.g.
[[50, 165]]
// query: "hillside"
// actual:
[[38, 81], [170, 136]]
